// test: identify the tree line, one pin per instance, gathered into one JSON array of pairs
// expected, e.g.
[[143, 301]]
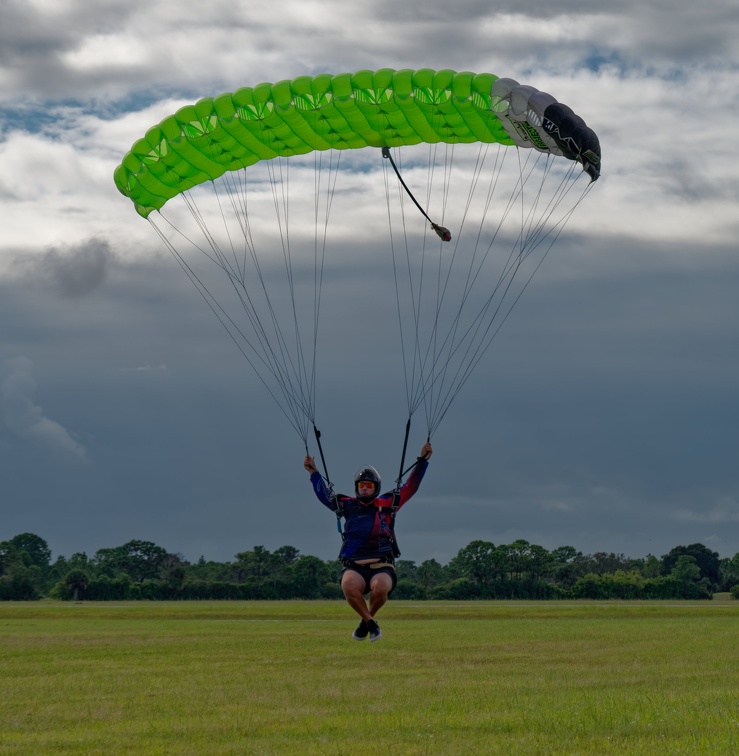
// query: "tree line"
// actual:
[[480, 570]]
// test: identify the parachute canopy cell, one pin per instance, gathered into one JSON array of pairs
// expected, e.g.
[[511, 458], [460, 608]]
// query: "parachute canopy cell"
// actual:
[[384, 108]]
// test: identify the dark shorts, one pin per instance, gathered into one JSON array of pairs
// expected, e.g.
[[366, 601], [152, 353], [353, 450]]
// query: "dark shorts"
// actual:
[[368, 571]]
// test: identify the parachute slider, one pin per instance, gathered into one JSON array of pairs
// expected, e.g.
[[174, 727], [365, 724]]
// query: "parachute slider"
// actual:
[[443, 233]]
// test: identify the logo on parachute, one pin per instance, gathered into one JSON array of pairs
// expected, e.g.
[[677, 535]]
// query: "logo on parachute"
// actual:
[[528, 132], [567, 143]]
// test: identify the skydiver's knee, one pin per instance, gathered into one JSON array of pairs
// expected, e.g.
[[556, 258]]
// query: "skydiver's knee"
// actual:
[[350, 592], [381, 586], [353, 584], [379, 593]]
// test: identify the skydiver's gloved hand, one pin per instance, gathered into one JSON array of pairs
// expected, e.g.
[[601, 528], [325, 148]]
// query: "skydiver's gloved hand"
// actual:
[[310, 465], [426, 451]]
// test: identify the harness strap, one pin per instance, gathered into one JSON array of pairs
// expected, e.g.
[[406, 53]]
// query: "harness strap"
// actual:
[[393, 508], [382, 562], [339, 514]]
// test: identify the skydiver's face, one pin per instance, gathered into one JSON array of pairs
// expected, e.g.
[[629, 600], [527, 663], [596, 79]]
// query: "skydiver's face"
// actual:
[[365, 488]]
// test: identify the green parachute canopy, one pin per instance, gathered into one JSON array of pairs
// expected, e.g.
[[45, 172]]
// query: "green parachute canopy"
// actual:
[[250, 225], [384, 108]]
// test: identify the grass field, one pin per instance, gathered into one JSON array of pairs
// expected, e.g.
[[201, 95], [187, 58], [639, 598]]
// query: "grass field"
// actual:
[[446, 678]]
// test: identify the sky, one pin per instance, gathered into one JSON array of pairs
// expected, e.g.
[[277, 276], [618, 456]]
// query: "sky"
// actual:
[[605, 414]]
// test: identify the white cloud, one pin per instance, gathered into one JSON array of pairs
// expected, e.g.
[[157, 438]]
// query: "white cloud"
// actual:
[[631, 321], [722, 511], [26, 419]]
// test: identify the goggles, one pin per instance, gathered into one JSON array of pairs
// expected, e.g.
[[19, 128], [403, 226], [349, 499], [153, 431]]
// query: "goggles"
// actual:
[[366, 484]]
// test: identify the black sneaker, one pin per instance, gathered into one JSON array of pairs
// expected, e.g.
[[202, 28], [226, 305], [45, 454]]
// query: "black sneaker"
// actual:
[[361, 632], [374, 631]]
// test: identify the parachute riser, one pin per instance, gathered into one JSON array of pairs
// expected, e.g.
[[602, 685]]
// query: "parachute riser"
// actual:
[[399, 480], [443, 233], [323, 459], [402, 473], [339, 511]]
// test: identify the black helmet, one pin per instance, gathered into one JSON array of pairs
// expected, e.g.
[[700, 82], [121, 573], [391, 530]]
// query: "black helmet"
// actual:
[[367, 473]]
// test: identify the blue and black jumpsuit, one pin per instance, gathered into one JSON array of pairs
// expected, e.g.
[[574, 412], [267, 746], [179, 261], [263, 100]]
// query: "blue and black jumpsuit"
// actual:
[[368, 528]]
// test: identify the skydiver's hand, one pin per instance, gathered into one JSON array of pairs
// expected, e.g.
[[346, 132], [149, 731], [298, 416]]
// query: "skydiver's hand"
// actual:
[[310, 465], [426, 451]]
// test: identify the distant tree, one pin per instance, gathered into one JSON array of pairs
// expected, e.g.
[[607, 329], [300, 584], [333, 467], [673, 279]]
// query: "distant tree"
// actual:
[[430, 574], [58, 569], [651, 566], [309, 577], [9, 557], [287, 554], [686, 569], [602, 563], [406, 569], [565, 554], [729, 571], [520, 570], [79, 561], [173, 572], [479, 562], [518, 558], [33, 549], [540, 563], [77, 581], [460, 589], [17, 581], [409, 590], [567, 565], [616, 585], [104, 588], [140, 560], [209, 572], [18, 584], [257, 563], [708, 561]]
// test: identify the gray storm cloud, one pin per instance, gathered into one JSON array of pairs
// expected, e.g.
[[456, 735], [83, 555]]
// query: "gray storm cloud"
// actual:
[[26, 419], [73, 271]]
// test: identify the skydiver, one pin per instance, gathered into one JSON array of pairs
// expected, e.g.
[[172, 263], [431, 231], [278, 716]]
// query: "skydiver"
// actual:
[[369, 546]]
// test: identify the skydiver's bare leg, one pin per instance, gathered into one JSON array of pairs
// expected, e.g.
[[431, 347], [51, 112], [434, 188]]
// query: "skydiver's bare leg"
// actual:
[[380, 587], [353, 585]]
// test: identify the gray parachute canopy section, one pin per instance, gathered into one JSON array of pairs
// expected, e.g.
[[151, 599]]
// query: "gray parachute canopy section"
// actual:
[[535, 119]]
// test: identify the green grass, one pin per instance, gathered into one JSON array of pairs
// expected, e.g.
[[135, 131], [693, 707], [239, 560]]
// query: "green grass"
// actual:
[[446, 678]]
